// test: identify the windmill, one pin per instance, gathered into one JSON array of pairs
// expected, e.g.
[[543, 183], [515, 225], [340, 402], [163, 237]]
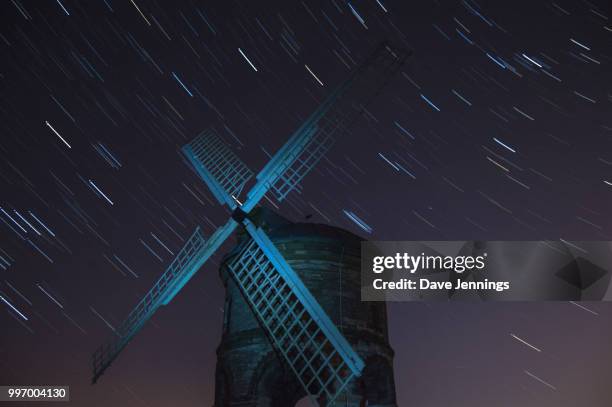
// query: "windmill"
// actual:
[[298, 328]]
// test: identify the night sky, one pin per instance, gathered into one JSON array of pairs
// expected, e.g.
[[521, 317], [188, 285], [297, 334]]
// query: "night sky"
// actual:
[[499, 126]]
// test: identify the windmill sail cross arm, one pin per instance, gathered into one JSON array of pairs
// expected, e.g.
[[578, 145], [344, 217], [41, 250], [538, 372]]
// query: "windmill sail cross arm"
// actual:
[[222, 171], [212, 244], [312, 305], [299, 329], [280, 164], [187, 262], [331, 119]]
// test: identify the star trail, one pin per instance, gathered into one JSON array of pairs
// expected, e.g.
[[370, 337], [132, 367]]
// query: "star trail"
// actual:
[[498, 127]]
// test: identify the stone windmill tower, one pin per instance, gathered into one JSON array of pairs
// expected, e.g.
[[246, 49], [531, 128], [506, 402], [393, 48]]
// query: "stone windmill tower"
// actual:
[[249, 372]]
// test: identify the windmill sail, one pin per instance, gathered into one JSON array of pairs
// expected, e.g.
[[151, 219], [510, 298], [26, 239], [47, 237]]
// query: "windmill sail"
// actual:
[[330, 120], [186, 263], [298, 328], [223, 172]]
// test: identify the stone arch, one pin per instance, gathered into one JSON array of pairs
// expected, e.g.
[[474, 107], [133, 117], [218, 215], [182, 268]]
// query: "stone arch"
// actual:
[[273, 385], [264, 362]]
